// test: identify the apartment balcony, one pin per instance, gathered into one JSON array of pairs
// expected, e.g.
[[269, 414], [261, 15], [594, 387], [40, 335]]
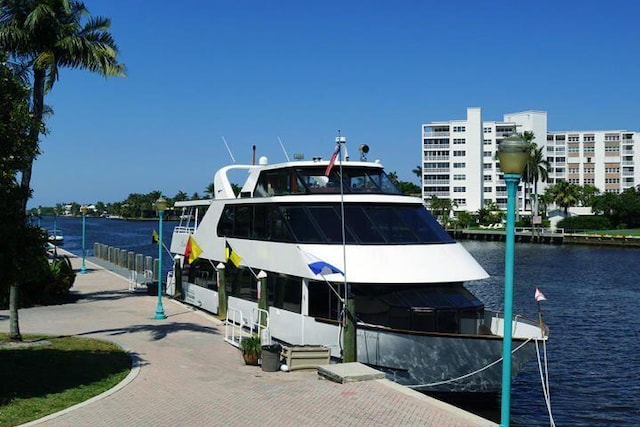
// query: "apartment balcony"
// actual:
[[429, 171], [437, 193], [627, 152], [435, 158], [628, 163], [501, 194], [435, 134], [435, 146], [437, 182], [628, 173]]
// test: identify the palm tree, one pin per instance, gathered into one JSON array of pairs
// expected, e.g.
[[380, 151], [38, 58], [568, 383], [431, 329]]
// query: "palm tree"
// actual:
[[565, 195], [537, 169], [210, 191], [418, 172], [46, 35]]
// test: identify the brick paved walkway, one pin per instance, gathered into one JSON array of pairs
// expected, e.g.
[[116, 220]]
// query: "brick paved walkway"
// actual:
[[189, 376]]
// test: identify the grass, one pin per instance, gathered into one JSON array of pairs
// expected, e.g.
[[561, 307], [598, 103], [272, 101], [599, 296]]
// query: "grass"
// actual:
[[623, 232], [54, 373]]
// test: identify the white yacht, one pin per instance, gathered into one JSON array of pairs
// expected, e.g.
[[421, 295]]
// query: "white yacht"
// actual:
[[313, 227]]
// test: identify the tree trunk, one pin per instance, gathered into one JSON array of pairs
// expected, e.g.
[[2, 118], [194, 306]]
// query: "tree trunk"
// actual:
[[38, 104], [14, 324]]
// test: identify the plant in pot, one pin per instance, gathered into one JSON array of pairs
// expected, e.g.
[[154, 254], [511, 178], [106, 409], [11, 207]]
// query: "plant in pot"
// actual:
[[251, 349]]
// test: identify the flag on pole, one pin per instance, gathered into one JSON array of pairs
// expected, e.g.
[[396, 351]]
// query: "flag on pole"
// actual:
[[154, 237], [539, 296], [192, 251], [333, 160], [319, 266], [232, 255]]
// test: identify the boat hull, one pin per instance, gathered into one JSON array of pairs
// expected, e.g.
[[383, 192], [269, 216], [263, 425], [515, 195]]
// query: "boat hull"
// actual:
[[440, 363]]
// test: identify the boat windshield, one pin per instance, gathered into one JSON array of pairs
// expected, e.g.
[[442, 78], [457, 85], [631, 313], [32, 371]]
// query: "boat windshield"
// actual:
[[365, 223], [312, 180]]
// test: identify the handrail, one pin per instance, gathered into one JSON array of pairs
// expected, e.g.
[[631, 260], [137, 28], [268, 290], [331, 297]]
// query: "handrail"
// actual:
[[233, 327]]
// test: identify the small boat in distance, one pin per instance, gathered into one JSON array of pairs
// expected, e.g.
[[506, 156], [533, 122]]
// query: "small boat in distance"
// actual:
[[311, 228], [56, 237]]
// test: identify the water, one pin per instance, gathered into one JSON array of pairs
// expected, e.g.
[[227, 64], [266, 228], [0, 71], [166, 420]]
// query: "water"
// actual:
[[592, 310]]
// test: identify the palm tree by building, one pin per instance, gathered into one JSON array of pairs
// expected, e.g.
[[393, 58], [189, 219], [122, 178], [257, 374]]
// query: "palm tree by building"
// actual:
[[565, 195], [537, 169]]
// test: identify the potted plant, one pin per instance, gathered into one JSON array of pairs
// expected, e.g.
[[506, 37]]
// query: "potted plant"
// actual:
[[251, 349]]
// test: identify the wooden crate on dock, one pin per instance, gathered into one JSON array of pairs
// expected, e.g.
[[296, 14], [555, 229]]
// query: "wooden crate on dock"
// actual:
[[305, 356]]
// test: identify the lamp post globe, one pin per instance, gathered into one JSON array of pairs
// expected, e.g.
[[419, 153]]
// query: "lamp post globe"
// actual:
[[83, 210], [513, 153], [161, 206]]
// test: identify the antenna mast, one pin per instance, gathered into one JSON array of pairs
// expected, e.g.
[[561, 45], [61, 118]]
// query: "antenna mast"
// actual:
[[283, 149], [228, 149]]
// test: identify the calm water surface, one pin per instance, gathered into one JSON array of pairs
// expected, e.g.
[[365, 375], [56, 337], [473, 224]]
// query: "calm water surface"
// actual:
[[592, 310]]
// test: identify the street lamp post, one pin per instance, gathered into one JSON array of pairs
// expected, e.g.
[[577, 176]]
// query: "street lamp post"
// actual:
[[84, 210], [513, 154], [161, 206]]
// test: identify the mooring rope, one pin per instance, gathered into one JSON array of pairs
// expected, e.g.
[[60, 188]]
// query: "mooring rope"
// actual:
[[544, 380], [470, 374]]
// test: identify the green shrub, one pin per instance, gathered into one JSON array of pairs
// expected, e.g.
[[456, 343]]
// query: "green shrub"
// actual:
[[577, 223], [48, 282]]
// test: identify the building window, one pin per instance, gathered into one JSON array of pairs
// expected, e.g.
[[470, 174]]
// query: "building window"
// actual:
[[487, 166], [589, 138], [487, 178], [459, 140], [487, 130], [459, 189], [459, 129], [487, 189], [459, 153], [486, 154], [461, 177], [460, 165]]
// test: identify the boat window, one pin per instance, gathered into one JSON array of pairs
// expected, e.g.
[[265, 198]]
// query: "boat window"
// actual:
[[362, 226], [320, 223], [284, 292], [445, 308], [328, 220], [241, 283], [279, 182], [447, 321], [201, 273], [312, 180], [303, 228], [260, 221], [323, 302]]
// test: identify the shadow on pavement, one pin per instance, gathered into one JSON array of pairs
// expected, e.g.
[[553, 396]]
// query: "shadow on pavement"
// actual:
[[158, 331]]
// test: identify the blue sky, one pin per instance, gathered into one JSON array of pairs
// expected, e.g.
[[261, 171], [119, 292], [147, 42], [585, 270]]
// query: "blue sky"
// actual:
[[253, 71]]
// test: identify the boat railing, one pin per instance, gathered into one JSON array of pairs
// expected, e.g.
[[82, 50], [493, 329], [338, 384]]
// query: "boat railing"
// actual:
[[181, 229], [518, 320], [233, 327], [259, 321]]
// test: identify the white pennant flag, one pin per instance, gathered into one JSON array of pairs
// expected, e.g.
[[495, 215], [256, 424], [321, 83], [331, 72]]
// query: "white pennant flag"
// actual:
[[539, 296]]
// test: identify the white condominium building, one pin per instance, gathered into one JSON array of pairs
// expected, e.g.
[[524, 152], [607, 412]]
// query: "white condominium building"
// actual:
[[459, 158]]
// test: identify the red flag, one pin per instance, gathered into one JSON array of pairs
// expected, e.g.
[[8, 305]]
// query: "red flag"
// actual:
[[539, 296], [332, 161]]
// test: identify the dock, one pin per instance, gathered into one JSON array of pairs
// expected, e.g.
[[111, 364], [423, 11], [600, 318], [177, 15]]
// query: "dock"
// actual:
[[185, 374], [546, 236]]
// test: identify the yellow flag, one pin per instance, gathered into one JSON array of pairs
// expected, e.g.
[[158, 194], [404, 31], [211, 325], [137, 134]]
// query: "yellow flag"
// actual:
[[192, 251], [232, 255]]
